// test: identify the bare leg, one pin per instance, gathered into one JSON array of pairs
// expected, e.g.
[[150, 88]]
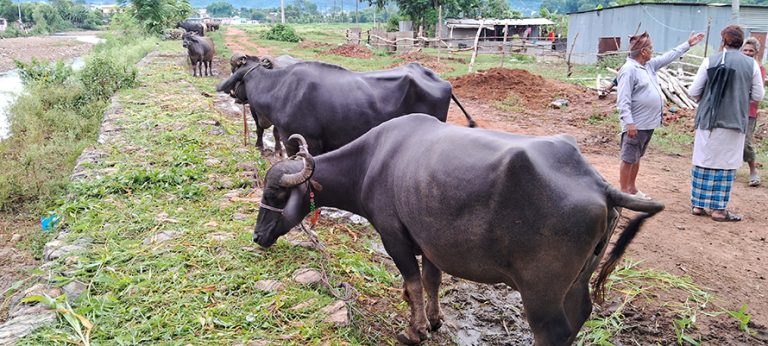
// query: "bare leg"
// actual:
[[628, 175]]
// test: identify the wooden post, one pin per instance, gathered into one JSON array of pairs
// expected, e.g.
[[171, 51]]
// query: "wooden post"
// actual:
[[245, 127], [568, 62], [474, 51], [503, 43], [706, 42]]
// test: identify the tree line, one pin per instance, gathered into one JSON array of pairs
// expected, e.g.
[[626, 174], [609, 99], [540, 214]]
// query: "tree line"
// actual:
[[43, 18]]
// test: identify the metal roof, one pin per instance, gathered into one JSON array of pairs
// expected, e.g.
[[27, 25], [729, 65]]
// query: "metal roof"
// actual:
[[669, 4], [475, 23]]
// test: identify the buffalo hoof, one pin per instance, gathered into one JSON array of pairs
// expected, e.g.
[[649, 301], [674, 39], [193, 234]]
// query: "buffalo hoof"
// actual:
[[411, 337], [436, 323]]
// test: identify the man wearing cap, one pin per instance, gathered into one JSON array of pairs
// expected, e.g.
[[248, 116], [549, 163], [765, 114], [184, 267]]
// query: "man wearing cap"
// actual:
[[640, 103]]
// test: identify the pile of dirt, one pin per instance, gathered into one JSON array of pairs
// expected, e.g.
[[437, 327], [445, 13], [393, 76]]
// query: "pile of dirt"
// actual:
[[532, 90], [427, 61], [351, 51], [313, 44]]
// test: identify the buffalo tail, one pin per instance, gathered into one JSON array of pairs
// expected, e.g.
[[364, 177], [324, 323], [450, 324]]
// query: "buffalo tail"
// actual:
[[471, 121], [648, 209]]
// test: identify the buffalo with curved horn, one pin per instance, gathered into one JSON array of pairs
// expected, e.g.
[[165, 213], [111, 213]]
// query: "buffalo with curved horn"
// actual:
[[486, 206]]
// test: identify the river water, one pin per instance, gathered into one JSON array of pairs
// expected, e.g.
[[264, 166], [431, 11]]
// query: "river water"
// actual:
[[11, 86]]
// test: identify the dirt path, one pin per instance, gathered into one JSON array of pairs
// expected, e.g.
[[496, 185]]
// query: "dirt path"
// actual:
[[237, 41]]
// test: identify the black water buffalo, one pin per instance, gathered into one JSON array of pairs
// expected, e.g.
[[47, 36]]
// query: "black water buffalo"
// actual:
[[483, 205], [212, 26], [200, 51], [330, 106], [238, 60], [197, 28]]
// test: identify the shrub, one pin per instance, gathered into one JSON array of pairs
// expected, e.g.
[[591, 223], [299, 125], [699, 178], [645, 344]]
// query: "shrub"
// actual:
[[281, 32], [393, 24], [103, 76], [37, 71], [58, 116]]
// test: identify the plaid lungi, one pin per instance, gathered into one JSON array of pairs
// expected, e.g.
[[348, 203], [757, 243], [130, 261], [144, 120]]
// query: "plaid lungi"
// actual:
[[711, 188]]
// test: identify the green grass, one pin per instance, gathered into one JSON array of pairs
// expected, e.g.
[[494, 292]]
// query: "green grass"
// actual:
[[222, 51], [637, 286], [195, 289], [673, 139]]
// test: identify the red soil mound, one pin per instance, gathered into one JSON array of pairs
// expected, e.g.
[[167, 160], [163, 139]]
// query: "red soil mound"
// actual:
[[351, 51], [534, 91]]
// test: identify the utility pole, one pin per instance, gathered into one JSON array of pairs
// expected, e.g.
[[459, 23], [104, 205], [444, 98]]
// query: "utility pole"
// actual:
[[357, 16], [282, 11], [735, 9]]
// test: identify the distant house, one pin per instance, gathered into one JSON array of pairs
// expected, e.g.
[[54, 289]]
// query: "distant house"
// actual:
[[107, 9], [463, 31], [3, 24], [669, 24]]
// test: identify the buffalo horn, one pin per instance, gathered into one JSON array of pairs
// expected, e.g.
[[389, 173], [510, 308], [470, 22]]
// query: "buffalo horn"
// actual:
[[294, 179]]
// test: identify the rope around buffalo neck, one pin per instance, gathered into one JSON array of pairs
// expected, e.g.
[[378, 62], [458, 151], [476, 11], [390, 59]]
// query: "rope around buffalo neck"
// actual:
[[349, 292]]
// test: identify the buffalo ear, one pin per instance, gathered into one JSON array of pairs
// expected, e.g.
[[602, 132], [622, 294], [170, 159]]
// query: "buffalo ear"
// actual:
[[229, 84], [266, 62], [317, 186]]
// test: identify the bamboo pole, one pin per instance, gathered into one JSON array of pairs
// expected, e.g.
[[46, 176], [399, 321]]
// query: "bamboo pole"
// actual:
[[568, 62], [474, 51], [503, 43]]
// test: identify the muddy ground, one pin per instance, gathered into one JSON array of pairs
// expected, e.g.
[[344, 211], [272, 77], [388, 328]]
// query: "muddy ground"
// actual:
[[727, 259], [48, 48]]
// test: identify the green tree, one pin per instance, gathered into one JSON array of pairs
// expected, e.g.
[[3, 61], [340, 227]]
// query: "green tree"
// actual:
[[221, 9], [47, 20], [302, 11], [156, 15]]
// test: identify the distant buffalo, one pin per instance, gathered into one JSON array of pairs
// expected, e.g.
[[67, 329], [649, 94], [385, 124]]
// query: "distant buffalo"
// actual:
[[212, 26], [201, 51], [197, 28], [238, 93]]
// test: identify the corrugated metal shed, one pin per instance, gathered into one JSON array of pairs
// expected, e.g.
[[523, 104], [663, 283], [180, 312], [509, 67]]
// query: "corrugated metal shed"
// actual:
[[669, 24], [475, 23]]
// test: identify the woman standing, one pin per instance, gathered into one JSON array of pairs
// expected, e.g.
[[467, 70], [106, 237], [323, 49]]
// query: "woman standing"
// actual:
[[750, 48], [723, 85]]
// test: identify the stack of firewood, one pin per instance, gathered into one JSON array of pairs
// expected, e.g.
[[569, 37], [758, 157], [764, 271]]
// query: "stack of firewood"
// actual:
[[674, 84]]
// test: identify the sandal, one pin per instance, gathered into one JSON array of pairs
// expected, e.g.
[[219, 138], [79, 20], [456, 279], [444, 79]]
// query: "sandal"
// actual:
[[641, 195], [698, 211], [754, 181], [728, 217]]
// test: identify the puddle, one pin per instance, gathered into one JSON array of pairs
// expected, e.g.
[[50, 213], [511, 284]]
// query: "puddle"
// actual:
[[481, 314]]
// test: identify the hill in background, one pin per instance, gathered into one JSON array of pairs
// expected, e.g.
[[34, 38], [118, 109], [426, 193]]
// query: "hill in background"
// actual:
[[526, 7]]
